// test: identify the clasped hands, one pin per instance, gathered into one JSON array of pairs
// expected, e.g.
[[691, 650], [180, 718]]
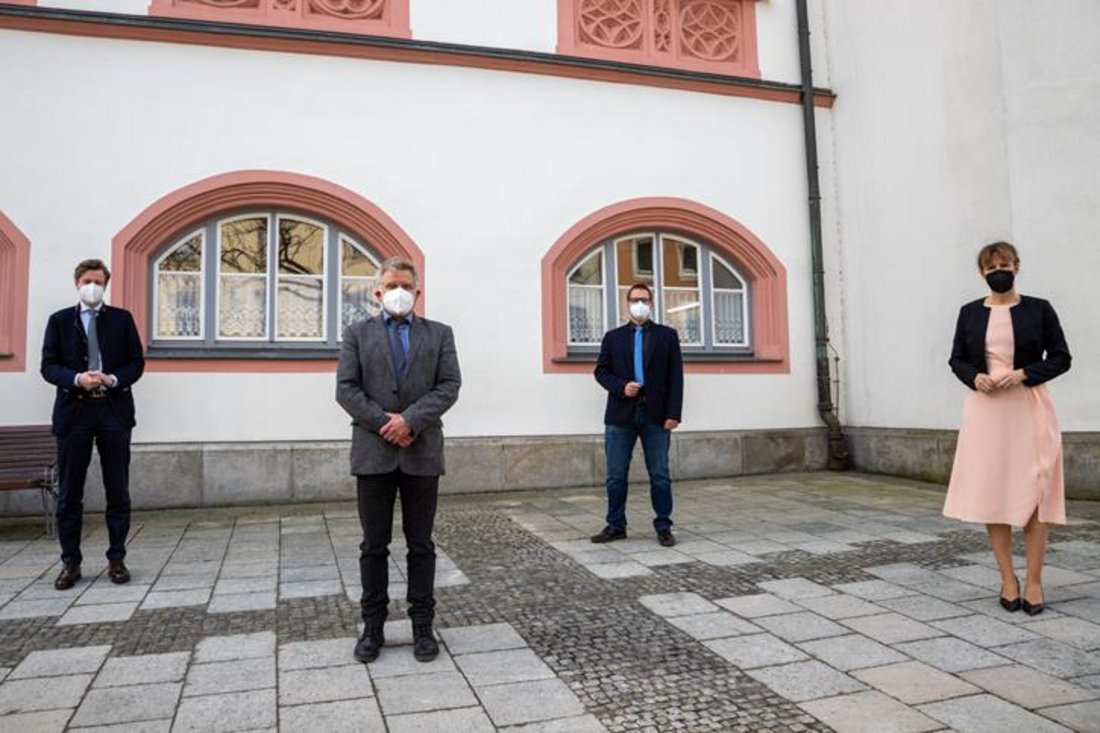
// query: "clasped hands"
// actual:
[[987, 384], [396, 431], [94, 379]]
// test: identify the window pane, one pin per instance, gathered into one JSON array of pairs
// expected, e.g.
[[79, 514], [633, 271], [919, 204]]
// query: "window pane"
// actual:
[[590, 271], [586, 322], [359, 282], [729, 318], [301, 248], [244, 245], [242, 310], [724, 278], [301, 308], [184, 257], [357, 299], [634, 263], [683, 309], [354, 262], [179, 305]]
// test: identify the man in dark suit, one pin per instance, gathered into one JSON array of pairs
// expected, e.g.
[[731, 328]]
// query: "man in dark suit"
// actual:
[[92, 353], [641, 368], [398, 374]]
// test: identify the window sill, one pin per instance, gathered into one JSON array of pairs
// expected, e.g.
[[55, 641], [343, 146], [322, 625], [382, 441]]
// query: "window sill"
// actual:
[[688, 357], [697, 363], [6, 355], [265, 353]]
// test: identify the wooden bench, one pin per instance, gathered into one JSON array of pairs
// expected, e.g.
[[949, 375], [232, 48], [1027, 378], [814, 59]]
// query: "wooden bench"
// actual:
[[28, 460]]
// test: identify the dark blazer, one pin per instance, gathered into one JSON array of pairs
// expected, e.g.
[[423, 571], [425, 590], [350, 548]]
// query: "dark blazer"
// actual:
[[663, 393], [65, 354], [1041, 349], [366, 387]]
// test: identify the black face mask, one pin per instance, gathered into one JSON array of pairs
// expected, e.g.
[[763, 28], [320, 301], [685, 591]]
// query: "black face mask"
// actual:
[[1001, 281]]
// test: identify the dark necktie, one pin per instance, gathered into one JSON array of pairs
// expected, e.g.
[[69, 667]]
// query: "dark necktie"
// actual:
[[399, 348], [95, 361]]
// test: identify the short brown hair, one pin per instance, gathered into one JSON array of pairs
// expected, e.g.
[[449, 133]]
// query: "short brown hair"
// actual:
[[640, 286], [89, 265], [1004, 249]]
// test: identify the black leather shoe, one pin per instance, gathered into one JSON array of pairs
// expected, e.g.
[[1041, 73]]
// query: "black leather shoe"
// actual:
[[1032, 609], [425, 647], [370, 644], [665, 537], [118, 573], [607, 534], [67, 577], [1013, 604]]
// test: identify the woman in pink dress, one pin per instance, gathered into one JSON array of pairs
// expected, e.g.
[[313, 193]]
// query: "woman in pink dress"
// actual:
[[1008, 462]]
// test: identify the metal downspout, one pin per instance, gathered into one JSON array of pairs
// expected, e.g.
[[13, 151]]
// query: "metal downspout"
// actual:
[[838, 450]]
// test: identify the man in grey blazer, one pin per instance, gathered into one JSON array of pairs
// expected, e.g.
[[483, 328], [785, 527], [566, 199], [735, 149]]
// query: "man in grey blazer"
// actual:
[[398, 374]]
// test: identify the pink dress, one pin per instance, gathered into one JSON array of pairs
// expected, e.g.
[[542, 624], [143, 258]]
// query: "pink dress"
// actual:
[[1008, 461]]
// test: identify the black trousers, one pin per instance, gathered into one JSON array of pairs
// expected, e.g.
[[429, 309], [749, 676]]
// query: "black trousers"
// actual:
[[376, 494], [96, 424]]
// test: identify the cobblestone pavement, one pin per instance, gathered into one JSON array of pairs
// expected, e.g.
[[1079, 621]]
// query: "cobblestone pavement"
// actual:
[[805, 602]]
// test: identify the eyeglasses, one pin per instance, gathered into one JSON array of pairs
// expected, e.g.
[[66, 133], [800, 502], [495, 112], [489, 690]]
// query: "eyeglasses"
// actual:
[[639, 300]]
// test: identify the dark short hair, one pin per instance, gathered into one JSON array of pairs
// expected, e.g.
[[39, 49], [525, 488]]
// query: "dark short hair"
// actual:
[[89, 265], [640, 286], [1004, 249]]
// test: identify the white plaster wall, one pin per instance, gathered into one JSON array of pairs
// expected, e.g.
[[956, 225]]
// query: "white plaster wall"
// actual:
[[529, 25], [484, 170], [957, 124], [1051, 61], [133, 7], [777, 33]]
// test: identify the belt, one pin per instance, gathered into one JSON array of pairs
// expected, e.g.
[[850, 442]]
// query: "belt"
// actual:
[[99, 393]]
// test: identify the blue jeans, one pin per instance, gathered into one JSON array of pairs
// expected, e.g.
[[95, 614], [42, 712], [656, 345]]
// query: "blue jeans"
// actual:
[[618, 448]]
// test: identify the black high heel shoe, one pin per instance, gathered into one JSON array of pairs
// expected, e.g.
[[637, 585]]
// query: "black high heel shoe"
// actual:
[[1016, 603], [1032, 609]]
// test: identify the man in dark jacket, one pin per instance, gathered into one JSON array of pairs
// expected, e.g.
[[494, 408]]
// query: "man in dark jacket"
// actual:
[[641, 368], [92, 353], [398, 373]]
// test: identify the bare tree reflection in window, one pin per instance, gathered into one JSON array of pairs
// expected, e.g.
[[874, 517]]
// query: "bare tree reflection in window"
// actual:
[[358, 283]]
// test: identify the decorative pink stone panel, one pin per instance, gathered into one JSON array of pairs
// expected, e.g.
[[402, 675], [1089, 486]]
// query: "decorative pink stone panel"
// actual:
[[368, 17], [715, 36]]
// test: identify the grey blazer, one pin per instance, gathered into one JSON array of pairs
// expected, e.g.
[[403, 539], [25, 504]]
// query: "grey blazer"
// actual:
[[367, 389]]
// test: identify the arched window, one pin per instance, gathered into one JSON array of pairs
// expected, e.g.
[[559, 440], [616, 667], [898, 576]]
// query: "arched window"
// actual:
[[696, 291], [713, 280], [253, 271], [259, 278], [15, 261]]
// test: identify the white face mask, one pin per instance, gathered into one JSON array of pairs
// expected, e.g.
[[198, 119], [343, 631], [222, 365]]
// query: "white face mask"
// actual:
[[398, 302], [91, 294], [640, 311]]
